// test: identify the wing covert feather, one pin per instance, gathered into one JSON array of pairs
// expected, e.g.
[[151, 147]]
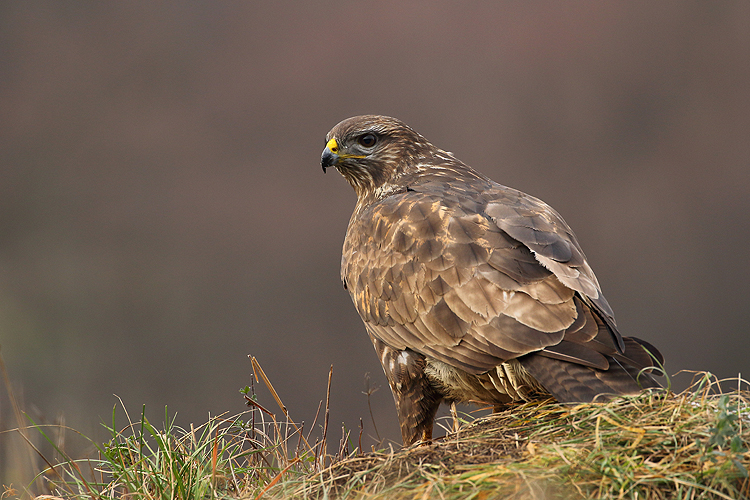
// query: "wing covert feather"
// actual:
[[450, 278], [501, 277]]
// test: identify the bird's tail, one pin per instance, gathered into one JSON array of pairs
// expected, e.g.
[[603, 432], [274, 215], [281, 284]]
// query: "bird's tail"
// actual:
[[628, 373]]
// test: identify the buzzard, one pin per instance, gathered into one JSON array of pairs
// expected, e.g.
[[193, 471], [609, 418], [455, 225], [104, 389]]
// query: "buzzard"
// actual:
[[469, 290]]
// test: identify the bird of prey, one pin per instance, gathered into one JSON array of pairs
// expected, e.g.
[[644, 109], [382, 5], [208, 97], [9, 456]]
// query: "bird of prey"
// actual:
[[470, 291]]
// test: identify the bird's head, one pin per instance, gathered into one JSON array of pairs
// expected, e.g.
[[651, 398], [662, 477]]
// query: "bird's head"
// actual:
[[371, 151]]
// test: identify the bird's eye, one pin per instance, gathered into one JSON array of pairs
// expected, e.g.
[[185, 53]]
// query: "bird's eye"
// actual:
[[367, 140]]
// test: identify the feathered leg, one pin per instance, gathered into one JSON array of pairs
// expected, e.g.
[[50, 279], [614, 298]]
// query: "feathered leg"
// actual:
[[417, 400]]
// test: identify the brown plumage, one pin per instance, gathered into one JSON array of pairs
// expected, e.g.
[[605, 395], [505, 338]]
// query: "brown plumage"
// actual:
[[469, 290]]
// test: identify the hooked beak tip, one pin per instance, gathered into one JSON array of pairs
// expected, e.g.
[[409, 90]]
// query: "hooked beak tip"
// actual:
[[328, 159]]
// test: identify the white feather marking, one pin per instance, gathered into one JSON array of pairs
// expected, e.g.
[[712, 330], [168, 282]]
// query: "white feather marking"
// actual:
[[403, 358]]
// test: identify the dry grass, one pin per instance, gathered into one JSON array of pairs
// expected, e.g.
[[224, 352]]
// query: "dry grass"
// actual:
[[654, 446]]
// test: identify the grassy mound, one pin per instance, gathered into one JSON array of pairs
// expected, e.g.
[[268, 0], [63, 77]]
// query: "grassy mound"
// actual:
[[657, 445], [653, 446]]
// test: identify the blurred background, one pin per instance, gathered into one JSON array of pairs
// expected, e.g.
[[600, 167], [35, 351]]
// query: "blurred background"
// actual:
[[163, 212]]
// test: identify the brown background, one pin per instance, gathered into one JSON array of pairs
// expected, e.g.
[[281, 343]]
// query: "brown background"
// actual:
[[163, 212]]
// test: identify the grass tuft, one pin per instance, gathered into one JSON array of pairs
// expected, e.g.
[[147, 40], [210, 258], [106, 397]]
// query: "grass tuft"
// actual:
[[227, 457]]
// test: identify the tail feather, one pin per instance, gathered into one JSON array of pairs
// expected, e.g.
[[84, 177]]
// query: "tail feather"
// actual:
[[572, 382]]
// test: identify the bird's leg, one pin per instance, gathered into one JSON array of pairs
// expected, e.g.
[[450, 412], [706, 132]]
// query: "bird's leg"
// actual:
[[426, 435], [454, 414], [417, 399], [417, 403]]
